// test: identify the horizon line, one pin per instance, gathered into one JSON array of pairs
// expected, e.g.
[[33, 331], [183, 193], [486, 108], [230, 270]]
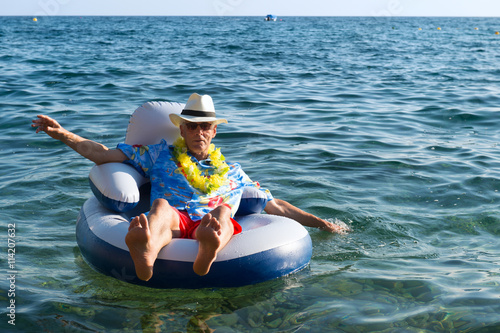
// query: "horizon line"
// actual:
[[215, 15]]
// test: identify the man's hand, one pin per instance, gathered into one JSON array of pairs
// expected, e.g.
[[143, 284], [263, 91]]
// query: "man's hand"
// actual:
[[47, 125], [335, 228]]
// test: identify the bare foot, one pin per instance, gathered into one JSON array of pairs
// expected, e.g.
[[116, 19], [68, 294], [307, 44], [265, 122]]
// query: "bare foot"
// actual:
[[208, 234], [138, 240]]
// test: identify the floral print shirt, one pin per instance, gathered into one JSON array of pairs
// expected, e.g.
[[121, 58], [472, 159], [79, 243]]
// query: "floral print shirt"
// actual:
[[158, 164]]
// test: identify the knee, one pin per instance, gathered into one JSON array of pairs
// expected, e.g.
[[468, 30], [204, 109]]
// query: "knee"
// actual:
[[223, 210], [160, 204]]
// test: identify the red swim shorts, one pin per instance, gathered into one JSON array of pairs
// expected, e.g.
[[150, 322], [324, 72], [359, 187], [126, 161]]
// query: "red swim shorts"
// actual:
[[188, 227]]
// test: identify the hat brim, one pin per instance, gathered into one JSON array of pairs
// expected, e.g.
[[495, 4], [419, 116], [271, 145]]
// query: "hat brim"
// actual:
[[178, 119]]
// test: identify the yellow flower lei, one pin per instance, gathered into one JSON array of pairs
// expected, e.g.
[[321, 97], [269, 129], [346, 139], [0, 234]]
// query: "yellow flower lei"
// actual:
[[201, 180]]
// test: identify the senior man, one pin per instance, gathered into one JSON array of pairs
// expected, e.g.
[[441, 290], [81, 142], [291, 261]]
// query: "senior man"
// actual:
[[193, 189]]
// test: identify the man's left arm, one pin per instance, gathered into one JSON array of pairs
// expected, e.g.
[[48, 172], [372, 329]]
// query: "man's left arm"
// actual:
[[283, 208]]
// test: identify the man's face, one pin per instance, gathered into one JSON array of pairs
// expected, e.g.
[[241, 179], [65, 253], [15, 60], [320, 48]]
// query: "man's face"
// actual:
[[198, 137]]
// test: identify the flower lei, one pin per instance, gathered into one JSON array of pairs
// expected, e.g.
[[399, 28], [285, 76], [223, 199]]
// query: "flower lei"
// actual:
[[199, 179]]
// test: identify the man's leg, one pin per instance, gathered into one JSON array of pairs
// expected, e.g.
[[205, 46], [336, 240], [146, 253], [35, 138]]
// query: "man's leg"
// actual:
[[148, 235], [213, 233]]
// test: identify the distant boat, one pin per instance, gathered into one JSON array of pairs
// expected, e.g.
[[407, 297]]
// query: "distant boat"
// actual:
[[271, 17]]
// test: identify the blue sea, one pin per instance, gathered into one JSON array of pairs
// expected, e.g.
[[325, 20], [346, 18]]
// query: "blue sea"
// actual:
[[387, 124]]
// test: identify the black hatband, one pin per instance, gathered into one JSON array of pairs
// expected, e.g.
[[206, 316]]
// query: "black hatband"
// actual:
[[195, 113]]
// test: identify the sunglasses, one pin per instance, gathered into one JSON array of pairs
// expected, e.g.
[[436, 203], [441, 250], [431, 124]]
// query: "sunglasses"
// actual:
[[193, 126]]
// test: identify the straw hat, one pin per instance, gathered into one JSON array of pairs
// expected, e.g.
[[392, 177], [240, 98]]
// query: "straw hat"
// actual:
[[198, 109]]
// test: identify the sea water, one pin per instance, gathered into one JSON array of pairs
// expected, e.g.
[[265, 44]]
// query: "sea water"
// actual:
[[389, 125]]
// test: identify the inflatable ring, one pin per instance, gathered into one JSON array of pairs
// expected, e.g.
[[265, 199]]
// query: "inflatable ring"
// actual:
[[268, 247]]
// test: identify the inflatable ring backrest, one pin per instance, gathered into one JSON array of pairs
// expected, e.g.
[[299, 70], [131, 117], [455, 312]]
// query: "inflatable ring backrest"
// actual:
[[116, 185], [150, 123]]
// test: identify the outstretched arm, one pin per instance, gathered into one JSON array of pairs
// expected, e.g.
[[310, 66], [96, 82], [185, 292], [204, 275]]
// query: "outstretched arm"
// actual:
[[283, 208], [91, 150]]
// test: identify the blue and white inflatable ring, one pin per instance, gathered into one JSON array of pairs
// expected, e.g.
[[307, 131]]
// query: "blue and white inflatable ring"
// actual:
[[269, 246]]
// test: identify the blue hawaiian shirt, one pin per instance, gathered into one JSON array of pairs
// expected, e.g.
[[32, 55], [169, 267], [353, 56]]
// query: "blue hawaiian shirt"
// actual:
[[158, 164]]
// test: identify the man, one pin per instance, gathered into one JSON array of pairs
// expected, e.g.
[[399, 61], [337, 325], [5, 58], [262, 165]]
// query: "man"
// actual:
[[194, 192]]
